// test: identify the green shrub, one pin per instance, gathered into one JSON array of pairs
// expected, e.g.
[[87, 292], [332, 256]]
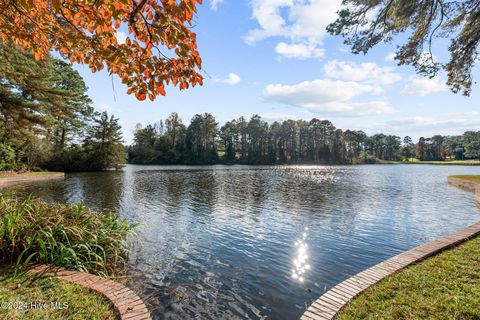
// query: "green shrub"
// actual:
[[72, 236], [365, 158], [7, 157]]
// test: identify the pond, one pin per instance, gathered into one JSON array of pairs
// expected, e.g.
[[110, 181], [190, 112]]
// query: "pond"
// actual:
[[263, 242]]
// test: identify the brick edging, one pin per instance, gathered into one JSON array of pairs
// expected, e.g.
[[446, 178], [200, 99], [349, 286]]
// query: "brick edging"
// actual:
[[128, 304], [330, 303]]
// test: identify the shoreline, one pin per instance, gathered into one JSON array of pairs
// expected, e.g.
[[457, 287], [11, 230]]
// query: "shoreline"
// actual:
[[21, 178], [383, 162], [331, 302]]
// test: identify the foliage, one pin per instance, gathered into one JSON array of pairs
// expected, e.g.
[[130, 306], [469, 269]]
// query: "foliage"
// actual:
[[7, 158], [291, 141], [39, 98], [200, 139], [70, 123], [83, 304], [103, 144], [365, 158], [160, 47], [472, 150], [441, 287], [407, 151], [364, 24], [48, 119], [431, 149], [72, 236], [461, 147], [257, 142], [28, 97], [35, 152]]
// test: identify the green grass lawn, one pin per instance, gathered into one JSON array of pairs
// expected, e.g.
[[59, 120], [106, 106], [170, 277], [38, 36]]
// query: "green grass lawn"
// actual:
[[453, 162], [446, 286], [446, 162], [82, 303], [472, 178]]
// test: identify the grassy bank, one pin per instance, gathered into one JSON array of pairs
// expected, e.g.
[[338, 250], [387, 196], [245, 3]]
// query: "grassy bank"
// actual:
[[10, 174], [446, 286], [446, 162], [77, 302], [70, 236], [472, 178]]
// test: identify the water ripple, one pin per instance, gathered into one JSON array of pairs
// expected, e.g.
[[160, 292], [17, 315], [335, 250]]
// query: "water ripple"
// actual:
[[264, 242]]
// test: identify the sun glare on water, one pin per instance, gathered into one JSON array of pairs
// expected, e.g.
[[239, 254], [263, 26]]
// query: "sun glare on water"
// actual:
[[300, 262]]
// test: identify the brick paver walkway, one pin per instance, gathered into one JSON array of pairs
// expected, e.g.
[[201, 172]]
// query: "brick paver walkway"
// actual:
[[128, 304]]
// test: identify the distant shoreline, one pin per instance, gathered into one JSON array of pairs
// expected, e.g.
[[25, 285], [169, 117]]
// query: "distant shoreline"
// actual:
[[380, 162], [447, 163]]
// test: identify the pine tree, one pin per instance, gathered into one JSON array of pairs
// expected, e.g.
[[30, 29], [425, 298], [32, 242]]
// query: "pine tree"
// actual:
[[103, 144], [39, 99]]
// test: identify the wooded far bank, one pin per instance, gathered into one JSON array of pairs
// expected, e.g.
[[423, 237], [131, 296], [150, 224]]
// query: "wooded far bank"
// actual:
[[255, 141]]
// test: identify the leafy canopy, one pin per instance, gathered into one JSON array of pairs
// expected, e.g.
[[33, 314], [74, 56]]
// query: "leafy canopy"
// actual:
[[365, 23], [160, 47]]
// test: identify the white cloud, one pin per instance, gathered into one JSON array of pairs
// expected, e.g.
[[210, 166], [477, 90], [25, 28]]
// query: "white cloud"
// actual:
[[267, 14], [369, 72], [232, 79], [121, 37], [274, 116], [302, 22], [329, 96], [467, 120], [214, 4], [390, 57], [105, 107], [300, 51], [421, 86], [445, 124], [322, 90]]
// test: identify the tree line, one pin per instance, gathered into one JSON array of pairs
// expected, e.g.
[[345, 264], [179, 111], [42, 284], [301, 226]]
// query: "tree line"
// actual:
[[255, 141], [461, 147], [47, 120]]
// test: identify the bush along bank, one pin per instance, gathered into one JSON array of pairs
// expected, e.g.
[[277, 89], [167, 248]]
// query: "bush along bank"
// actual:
[[69, 236]]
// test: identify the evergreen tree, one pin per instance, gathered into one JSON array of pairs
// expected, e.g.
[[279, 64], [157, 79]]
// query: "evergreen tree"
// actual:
[[200, 139], [408, 148], [43, 106], [103, 144], [421, 151]]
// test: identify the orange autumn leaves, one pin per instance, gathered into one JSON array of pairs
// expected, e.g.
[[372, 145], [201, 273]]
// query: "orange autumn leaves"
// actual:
[[160, 48]]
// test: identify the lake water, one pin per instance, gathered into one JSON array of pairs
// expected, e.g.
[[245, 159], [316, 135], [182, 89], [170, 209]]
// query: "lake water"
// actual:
[[238, 242]]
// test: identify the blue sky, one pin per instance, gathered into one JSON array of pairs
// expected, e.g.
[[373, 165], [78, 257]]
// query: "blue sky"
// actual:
[[274, 58]]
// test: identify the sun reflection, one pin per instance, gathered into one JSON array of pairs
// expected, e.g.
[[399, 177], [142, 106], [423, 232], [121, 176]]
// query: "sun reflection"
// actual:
[[300, 263]]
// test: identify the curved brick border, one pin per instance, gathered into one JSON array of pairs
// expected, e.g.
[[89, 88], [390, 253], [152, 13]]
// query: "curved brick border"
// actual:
[[128, 304], [7, 181], [330, 303]]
